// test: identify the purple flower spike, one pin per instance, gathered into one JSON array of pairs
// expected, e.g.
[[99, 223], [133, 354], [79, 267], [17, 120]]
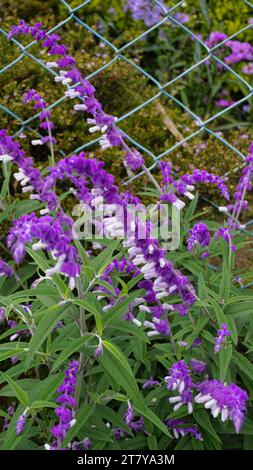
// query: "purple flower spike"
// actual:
[[20, 424], [133, 160], [228, 400], [5, 269], [198, 367], [221, 337], [181, 428], [129, 414], [150, 383], [2, 314], [199, 235], [179, 378], [64, 412]]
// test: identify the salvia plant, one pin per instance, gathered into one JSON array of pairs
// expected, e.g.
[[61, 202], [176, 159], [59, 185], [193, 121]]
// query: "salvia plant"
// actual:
[[117, 341]]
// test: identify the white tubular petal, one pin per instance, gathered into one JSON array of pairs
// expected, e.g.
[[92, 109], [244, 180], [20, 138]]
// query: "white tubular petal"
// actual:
[[5, 158], [190, 408], [224, 414], [37, 142], [28, 189], [202, 398], [189, 195], [174, 399], [176, 407], [178, 204], [66, 81], [223, 209], [144, 308], [58, 78], [80, 107], [152, 333], [162, 262], [72, 283], [57, 267], [161, 295], [39, 246], [172, 289], [72, 422], [107, 307], [47, 446], [13, 337], [175, 433], [151, 249], [168, 307], [138, 301], [136, 322], [94, 129], [181, 387], [147, 267], [52, 65], [24, 181], [149, 324], [44, 211], [215, 411], [210, 403]]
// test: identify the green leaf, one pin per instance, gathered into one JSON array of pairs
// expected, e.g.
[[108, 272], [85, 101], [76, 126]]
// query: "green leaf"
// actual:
[[203, 420], [100, 262], [117, 366], [82, 417], [70, 348], [42, 404], [243, 364], [225, 356], [43, 264], [21, 395], [121, 308], [220, 315], [225, 282], [50, 318]]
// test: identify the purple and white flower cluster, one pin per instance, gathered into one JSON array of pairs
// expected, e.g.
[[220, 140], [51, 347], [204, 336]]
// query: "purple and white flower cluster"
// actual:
[[227, 400], [67, 402]]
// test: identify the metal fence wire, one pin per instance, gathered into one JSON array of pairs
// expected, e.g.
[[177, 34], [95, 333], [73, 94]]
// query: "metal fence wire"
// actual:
[[162, 89]]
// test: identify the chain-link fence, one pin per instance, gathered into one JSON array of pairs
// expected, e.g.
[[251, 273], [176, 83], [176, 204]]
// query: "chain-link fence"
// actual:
[[119, 53]]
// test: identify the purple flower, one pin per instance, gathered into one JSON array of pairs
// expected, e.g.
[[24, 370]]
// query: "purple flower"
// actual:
[[150, 383], [2, 314], [99, 349], [215, 37], [67, 401], [179, 378], [10, 410], [129, 414], [86, 443], [181, 428], [225, 233], [222, 103], [198, 367], [118, 434], [5, 269], [133, 160], [228, 400], [146, 11], [221, 337], [202, 176], [198, 235], [20, 424]]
